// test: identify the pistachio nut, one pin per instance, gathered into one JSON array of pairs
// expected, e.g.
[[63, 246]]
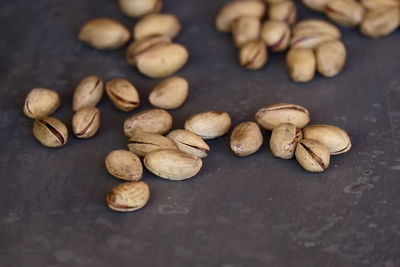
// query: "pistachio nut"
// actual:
[[331, 57], [276, 34], [271, 116], [88, 92], [190, 143], [284, 139], [149, 121], [380, 4], [50, 132], [128, 196], [348, 13], [170, 93], [157, 24], [143, 45], [123, 94], [246, 139], [86, 122], [245, 29], [172, 164], [209, 124], [253, 55], [143, 143], [283, 11], [138, 8], [41, 102], [104, 33], [301, 64], [124, 165], [312, 155], [380, 22], [310, 27], [317, 5]]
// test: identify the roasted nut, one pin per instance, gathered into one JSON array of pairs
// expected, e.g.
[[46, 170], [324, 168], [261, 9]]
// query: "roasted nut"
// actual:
[[331, 57], [246, 139], [143, 143], [128, 196], [149, 121], [50, 132], [157, 24], [312, 155], [347, 13], [170, 93], [318, 5], [124, 165], [253, 55], [123, 94], [283, 11], [380, 4], [245, 29], [138, 8], [88, 92], [276, 34], [284, 139], [209, 125], [41, 102], [301, 64], [86, 122], [380, 22], [310, 27], [190, 143], [143, 45]]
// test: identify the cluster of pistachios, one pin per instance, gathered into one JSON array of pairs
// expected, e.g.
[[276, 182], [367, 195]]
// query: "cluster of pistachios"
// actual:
[[375, 18]]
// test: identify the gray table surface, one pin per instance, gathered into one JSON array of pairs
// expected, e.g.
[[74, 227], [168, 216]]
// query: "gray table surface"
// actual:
[[254, 211]]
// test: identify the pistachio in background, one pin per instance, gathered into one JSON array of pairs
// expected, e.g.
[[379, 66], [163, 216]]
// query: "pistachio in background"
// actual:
[[276, 34], [141, 46], [50, 132], [245, 29], [246, 139], [128, 196], [139, 8], [331, 57], [253, 55], [124, 165], [348, 13], [156, 121], [301, 64], [88, 92], [41, 102], [123, 94], [283, 11], [157, 24], [170, 93], [380, 22]]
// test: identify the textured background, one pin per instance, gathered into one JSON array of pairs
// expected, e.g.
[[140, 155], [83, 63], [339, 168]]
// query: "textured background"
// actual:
[[255, 211]]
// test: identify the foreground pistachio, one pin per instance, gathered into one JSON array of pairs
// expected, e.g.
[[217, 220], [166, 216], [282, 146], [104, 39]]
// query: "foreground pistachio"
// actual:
[[245, 29], [380, 4], [172, 164], [143, 143], [246, 139], [123, 94], [310, 27], [253, 55], [380, 22], [170, 93], [50, 132], [190, 143], [283, 11], [301, 64], [143, 45], [41, 102], [271, 116], [157, 24], [236, 9], [317, 5], [88, 92], [348, 13], [276, 34], [124, 165], [331, 57], [86, 122], [150, 121], [334, 138], [138, 8], [209, 124], [104, 33], [128, 196], [312, 155], [284, 139]]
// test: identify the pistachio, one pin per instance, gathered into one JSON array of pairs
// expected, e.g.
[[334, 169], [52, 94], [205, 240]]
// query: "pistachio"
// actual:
[[245, 29], [209, 124], [301, 64], [380, 22], [143, 143], [347, 13], [41, 102], [104, 33], [172, 164], [246, 139], [170, 93], [86, 122], [141, 46], [123, 94], [380, 4], [88, 92], [271, 116], [314, 27], [157, 24], [283, 11], [284, 139], [50, 132], [312, 155], [124, 165], [331, 57], [253, 55], [138, 8], [128, 196], [276, 34], [310, 40], [317, 5], [150, 121], [190, 143]]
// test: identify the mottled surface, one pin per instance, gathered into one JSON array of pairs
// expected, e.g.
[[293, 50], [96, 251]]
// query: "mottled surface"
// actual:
[[238, 212]]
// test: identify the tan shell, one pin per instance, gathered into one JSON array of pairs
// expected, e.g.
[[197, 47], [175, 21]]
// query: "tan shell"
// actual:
[[41, 102], [190, 143], [317, 5], [283, 11], [312, 155], [128, 196], [331, 57], [253, 55], [245, 29], [347, 13], [209, 125], [138, 8], [246, 139], [143, 143], [301, 64], [157, 24], [141, 46], [311, 27], [276, 34], [50, 132], [284, 139], [150, 121], [380, 4], [123, 94], [88, 92], [86, 122], [124, 165], [380, 22], [170, 93]]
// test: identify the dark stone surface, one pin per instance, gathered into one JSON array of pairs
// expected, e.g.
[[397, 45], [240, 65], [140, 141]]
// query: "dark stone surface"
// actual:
[[255, 211]]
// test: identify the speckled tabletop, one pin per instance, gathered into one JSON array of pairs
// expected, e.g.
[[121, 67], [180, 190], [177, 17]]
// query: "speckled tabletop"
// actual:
[[255, 211]]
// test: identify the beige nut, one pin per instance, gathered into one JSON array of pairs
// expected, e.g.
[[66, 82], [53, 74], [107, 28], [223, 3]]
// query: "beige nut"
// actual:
[[380, 22], [348, 13], [149, 121], [209, 124], [157, 24], [312, 155], [317, 5], [246, 139], [380, 4], [143, 45], [138, 8], [170, 93], [128, 196], [88, 92], [104, 33], [301, 64], [41, 102], [284, 139], [245, 29], [143, 143], [276, 34], [315, 26], [50, 132], [124, 165], [190, 143], [253, 55], [123, 94], [283, 11], [86, 122], [331, 57]]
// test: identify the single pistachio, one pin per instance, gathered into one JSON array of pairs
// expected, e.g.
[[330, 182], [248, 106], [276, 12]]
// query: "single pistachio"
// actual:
[[86, 122], [104, 33], [284, 139], [157, 24], [149, 121], [246, 139], [315, 27], [209, 124], [271, 116], [317, 5], [253, 55], [312, 155], [124, 165], [380, 22], [88, 92], [41, 102], [245, 29], [380, 4], [138, 8], [128, 196], [50, 132], [347, 13], [236, 9], [283, 11], [123, 94], [143, 45], [143, 143], [172, 164], [190, 143], [301, 64], [334, 138], [331, 57], [170, 93], [276, 34]]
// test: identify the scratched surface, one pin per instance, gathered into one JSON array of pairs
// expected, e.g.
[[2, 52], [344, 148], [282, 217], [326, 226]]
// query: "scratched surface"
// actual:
[[255, 211]]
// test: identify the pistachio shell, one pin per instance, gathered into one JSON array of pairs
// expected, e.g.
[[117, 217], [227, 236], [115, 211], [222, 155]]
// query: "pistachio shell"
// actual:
[[138, 8], [143, 143], [331, 57], [170, 93], [313, 27], [128, 196], [317, 5], [380, 22], [88, 92], [86, 122], [284, 139], [150, 121], [189, 142], [301, 64], [283, 11], [276, 34], [380, 4], [50, 132], [157, 24], [123, 94], [246, 139], [141, 46], [348, 13], [245, 29], [253, 55], [209, 125], [124, 165], [312, 155], [41, 102]]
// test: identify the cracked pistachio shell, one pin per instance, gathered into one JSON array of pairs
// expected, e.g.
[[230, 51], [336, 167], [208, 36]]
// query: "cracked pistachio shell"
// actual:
[[284, 139], [317, 5], [312, 155], [128, 196], [143, 143], [190, 143], [104, 33], [245, 29], [380, 4], [209, 124], [331, 57], [347, 13], [246, 139], [276, 34], [124, 165], [41, 102], [334, 138], [86, 122], [138, 8], [50, 132], [170, 93], [150, 121], [253, 55], [271, 116], [141, 46], [236, 9], [380, 22], [283, 11], [301, 64], [172, 164], [88, 92], [157, 24], [123, 94]]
